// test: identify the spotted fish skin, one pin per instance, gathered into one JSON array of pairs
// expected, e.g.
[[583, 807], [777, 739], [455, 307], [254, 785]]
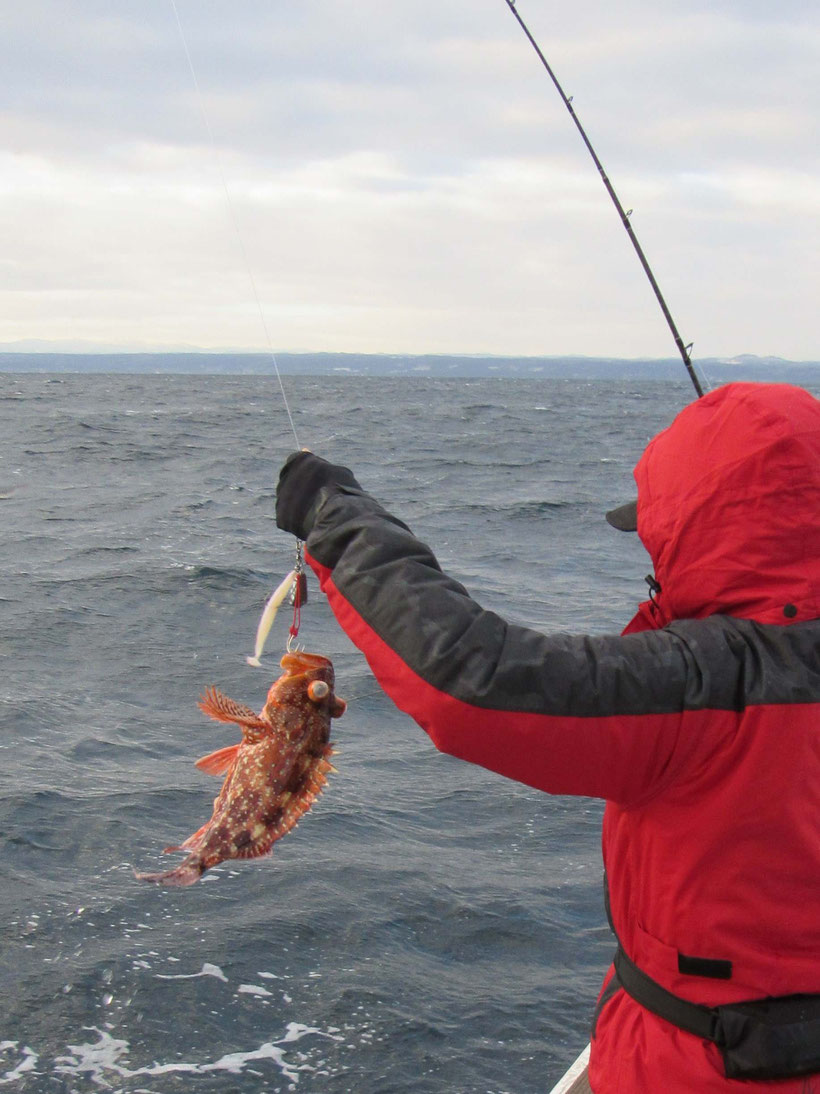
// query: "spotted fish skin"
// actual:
[[272, 776]]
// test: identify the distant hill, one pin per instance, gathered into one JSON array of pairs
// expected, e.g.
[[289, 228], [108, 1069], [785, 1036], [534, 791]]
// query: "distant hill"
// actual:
[[714, 370]]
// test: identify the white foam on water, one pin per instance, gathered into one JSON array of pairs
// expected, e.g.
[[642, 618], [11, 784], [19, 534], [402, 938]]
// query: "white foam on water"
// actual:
[[94, 1060], [107, 1057], [206, 970], [295, 1032], [28, 1063]]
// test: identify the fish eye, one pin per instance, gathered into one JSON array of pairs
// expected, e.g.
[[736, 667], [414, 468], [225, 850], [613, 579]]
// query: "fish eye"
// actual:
[[318, 690]]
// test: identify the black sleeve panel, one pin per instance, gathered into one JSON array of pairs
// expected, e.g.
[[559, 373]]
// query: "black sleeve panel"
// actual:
[[395, 583]]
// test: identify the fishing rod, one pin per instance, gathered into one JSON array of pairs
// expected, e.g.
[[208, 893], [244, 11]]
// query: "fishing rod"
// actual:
[[682, 349]]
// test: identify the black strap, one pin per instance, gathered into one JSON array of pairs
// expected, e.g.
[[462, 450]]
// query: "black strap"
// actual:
[[769, 1038], [611, 989], [693, 1017]]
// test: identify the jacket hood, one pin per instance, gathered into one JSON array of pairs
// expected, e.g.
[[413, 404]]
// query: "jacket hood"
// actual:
[[729, 506]]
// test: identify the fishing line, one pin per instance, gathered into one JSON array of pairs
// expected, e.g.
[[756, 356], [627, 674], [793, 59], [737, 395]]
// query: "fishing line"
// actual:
[[294, 586], [682, 349], [234, 221]]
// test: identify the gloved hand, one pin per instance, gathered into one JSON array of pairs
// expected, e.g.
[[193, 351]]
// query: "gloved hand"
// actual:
[[302, 477]]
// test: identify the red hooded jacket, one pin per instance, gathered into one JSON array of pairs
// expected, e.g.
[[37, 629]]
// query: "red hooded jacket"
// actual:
[[699, 725]]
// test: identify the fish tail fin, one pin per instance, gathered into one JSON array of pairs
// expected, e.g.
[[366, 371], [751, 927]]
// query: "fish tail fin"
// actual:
[[186, 873]]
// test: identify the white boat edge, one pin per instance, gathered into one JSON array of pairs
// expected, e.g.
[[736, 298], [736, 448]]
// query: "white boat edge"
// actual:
[[575, 1081]]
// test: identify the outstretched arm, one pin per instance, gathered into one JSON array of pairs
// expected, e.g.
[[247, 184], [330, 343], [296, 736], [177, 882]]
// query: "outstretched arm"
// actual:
[[596, 716]]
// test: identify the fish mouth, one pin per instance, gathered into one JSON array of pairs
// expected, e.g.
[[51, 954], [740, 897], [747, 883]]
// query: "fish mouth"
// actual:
[[295, 664]]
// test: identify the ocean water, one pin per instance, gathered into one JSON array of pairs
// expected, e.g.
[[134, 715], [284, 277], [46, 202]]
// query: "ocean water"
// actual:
[[429, 927]]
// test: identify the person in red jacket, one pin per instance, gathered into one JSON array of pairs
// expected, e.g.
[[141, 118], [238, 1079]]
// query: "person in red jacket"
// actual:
[[699, 726]]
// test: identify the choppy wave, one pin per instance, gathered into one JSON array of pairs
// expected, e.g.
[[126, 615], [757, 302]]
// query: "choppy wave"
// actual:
[[428, 927], [104, 1062]]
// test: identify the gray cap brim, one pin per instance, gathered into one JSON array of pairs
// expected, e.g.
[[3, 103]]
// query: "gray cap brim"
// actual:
[[625, 517]]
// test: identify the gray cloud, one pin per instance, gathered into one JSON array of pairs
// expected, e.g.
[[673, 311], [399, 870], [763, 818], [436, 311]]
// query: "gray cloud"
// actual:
[[406, 178]]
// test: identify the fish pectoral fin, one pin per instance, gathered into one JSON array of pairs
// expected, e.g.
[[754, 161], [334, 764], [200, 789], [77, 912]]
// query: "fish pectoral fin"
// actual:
[[222, 709], [219, 762]]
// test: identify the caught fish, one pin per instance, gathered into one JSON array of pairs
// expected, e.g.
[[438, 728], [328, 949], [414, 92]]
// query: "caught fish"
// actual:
[[272, 776]]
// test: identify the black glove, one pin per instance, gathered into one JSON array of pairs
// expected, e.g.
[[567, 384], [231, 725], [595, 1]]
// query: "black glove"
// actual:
[[302, 477]]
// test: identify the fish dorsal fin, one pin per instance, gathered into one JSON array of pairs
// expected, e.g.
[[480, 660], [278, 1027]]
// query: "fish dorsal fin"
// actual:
[[220, 707], [219, 762]]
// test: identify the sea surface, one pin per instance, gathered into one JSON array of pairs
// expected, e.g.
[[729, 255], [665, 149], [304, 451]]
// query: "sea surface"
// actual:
[[429, 927]]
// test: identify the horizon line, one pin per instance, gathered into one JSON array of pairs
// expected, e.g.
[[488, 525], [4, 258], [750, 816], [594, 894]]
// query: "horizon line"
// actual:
[[18, 350]]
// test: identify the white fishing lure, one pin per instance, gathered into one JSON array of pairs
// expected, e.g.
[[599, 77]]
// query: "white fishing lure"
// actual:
[[268, 615]]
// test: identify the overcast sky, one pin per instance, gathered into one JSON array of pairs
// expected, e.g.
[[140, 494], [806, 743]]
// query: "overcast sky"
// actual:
[[402, 177]]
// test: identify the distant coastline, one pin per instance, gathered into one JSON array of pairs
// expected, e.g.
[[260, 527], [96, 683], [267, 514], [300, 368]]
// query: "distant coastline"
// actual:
[[715, 370]]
